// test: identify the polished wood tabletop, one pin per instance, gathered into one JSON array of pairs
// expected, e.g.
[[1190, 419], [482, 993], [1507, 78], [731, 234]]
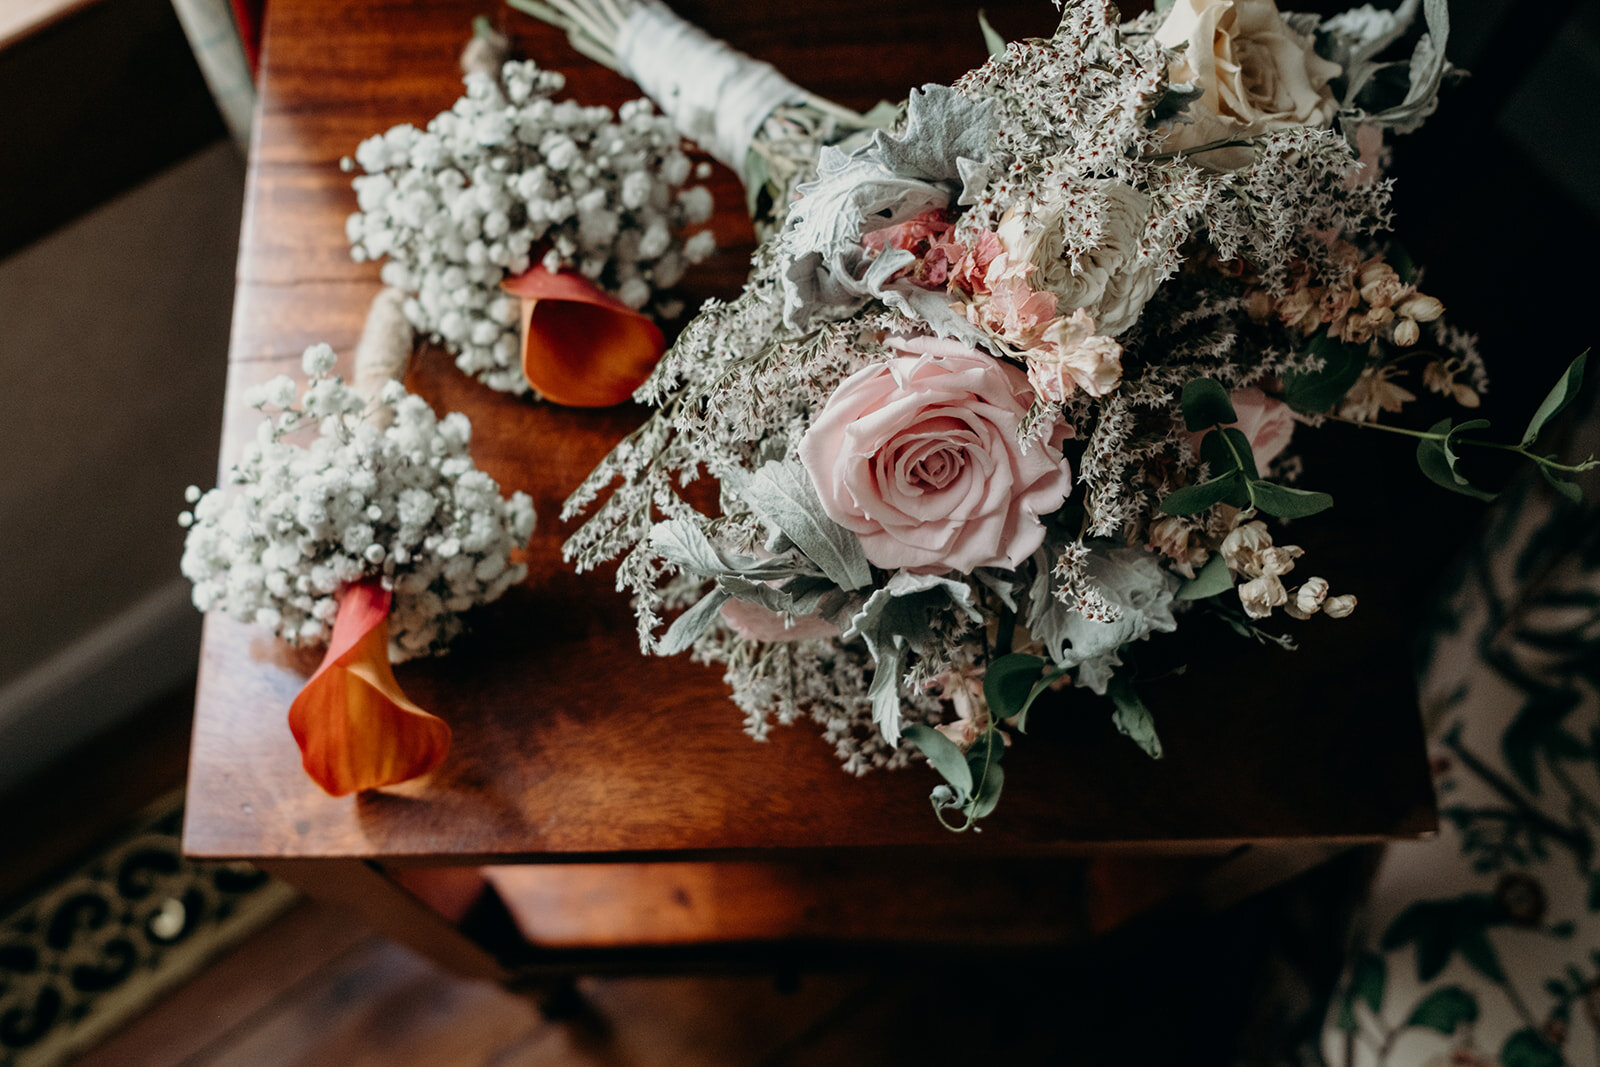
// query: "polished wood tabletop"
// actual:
[[571, 745]]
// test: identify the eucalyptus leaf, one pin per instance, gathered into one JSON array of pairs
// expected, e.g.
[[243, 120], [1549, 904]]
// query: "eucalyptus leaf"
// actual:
[[1205, 404], [1317, 392], [1133, 718], [1286, 502], [1567, 489], [1560, 396], [943, 756], [995, 43], [1228, 449], [1437, 461], [988, 791], [782, 494], [983, 763], [1449, 441], [1008, 682], [1210, 580], [1192, 499], [1020, 719]]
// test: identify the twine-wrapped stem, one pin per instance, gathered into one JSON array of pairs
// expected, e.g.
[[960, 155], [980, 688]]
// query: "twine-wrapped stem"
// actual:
[[384, 350]]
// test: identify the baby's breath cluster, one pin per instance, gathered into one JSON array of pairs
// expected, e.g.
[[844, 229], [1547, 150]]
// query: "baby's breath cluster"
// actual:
[[403, 504], [508, 179]]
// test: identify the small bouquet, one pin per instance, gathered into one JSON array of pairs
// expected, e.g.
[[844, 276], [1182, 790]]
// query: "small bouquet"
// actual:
[[357, 520], [1013, 383], [534, 237]]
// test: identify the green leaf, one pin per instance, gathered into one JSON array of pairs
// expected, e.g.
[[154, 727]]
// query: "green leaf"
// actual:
[[1475, 948], [1367, 980], [1400, 259], [995, 43], [1163, 5], [1526, 1048], [1445, 1009], [1288, 503], [1205, 404], [988, 794], [1567, 489], [1020, 718], [1319, 391], [1008, 683], [1537, 728], [943, 754], [1246, 456], [1436, 459], [1192, 499], [1455, 431], [983, 764], [1210, 580], [691, 624], [1228, 449], [1560, 396], [1133, 718], [782, 495]]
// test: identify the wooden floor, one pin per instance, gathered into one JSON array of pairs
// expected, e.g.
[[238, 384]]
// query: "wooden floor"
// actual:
[[315, 989]]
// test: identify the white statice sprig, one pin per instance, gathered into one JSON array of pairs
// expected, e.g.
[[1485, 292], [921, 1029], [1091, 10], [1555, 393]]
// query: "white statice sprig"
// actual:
[[509, 178], [403, 504]]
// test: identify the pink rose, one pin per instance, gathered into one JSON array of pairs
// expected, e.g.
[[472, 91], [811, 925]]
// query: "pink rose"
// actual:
[[1266, 423], [919, 457], [756, 623]]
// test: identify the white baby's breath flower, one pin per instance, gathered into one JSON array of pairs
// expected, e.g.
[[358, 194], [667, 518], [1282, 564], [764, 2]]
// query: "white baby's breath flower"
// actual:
[[402, 504], [507, 178]]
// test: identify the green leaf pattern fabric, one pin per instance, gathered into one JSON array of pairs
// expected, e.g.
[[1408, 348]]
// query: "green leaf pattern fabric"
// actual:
[[1481, 948]]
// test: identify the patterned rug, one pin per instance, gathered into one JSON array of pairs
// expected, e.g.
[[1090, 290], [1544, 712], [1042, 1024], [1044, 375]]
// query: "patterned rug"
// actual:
[[91, 951]]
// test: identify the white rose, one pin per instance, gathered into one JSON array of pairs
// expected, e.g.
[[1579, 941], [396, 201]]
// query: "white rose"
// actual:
[[1110, 283], [1255, 72]]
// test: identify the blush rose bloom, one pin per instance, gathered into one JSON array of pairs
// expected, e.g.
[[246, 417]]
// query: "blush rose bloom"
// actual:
[[919, 457], [1266, 423], [1255, 72]]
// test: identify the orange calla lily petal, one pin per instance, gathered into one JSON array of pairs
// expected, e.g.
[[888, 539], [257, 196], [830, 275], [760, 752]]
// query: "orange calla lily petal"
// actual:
[[355, 728], [581, 346]]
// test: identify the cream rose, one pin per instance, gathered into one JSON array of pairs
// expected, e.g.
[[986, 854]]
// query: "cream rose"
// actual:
[[919, 457], [1110, 283], [1255, 72]]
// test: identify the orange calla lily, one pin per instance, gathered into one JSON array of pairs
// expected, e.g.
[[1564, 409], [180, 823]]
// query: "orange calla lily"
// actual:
[[355, 728], [581, 346]]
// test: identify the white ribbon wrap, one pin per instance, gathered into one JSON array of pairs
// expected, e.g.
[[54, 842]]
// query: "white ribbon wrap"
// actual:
[[716, 96]]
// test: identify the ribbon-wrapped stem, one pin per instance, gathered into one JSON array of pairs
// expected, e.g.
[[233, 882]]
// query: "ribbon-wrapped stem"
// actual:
[[742, 111]]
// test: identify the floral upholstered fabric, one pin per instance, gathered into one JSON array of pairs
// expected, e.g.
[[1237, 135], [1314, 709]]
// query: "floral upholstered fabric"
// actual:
[[1482, 947]]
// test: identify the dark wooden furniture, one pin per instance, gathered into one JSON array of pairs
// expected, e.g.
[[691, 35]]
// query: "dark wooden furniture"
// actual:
[[655, 830]]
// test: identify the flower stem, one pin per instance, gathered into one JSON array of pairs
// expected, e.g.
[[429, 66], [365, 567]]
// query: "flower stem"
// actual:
[[1520, 450], [1209, 146]]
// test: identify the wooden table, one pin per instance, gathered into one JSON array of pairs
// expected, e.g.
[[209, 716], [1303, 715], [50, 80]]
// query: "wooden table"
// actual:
[[649, 817]]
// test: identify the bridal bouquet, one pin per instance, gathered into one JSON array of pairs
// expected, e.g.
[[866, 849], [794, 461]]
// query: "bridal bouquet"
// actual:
[[1014, 382]]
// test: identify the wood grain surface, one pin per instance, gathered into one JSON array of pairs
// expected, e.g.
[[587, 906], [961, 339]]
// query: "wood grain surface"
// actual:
[[571, 745]]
